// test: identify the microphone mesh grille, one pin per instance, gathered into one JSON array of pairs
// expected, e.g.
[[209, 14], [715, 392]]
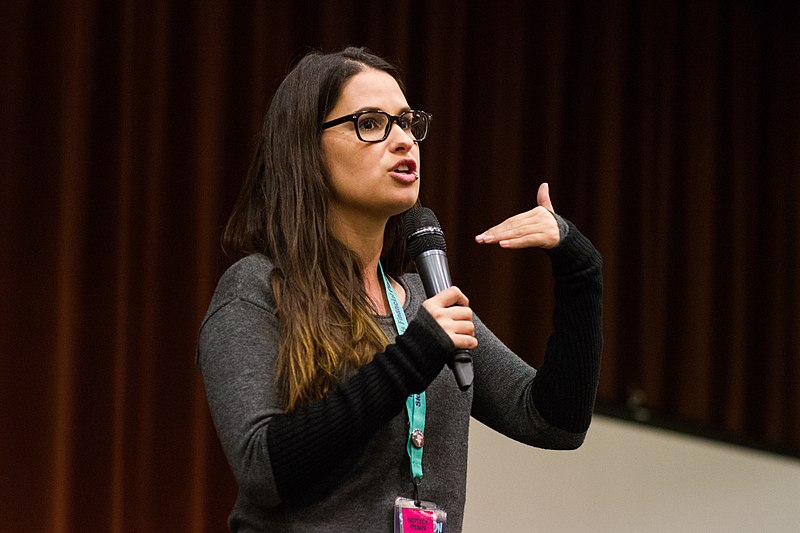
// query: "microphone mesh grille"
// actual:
[[423, 232]]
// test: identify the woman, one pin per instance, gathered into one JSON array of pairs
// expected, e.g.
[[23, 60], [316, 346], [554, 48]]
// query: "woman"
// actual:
[[305, 373]]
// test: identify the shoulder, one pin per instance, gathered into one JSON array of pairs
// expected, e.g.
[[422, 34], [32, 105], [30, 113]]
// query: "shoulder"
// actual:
[[412, 283], [247, 280], [415, 292]]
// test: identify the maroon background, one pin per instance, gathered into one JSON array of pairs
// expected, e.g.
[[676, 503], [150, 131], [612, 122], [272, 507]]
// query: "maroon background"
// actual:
[[667, 130]]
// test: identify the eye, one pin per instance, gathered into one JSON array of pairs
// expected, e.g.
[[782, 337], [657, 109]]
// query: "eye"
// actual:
[[371, 122], [406, 121]]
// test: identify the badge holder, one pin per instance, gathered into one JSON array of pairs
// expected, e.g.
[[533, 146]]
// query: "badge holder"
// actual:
[[418, 517]]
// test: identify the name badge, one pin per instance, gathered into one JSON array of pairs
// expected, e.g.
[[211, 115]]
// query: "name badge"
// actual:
[[427, 517]]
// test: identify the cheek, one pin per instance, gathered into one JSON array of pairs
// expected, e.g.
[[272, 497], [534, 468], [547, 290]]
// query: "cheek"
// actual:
[[418, 156], [342, 170], [351, 163], [337, 154], [331, 161]]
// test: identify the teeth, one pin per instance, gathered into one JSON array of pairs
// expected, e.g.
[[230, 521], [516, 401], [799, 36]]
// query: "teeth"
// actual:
[[403, 168]]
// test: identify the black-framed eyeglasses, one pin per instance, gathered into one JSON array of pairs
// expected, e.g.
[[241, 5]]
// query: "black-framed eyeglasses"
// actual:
[[374, 126]]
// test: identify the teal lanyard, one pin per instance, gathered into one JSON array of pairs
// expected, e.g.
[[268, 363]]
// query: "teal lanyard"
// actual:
[[415, 404]]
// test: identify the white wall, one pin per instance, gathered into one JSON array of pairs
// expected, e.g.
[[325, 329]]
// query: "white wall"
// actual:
[[628, 478]]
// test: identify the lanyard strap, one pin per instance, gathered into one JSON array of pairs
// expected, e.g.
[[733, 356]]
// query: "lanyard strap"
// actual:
[[415, 403]]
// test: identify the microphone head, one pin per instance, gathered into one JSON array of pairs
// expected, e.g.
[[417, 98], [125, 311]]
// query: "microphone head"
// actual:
[[423, 232]]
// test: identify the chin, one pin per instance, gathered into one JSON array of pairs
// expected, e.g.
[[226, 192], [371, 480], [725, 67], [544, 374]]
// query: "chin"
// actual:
[[409, 204]]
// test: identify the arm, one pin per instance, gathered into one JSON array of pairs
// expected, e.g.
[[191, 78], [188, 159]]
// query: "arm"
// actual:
[[566, 384], [561, 394], [278, 456]]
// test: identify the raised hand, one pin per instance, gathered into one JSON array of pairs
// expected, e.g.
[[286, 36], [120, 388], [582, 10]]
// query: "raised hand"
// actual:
[[534, 228]]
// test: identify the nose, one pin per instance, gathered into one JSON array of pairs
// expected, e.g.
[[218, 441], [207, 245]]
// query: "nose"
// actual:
[[399, 139]]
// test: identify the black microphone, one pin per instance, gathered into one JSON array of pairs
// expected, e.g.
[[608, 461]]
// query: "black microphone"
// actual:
[[426, 246]]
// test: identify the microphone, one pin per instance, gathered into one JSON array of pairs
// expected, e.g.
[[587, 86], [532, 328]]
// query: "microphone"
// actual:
[[426, 246]]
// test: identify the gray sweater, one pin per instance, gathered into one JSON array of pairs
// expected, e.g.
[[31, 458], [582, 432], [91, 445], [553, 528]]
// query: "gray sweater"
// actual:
[[338, 464]]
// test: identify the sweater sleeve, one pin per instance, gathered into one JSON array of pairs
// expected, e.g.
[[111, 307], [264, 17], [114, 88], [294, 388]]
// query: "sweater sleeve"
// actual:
[[304, 444], [565, 385], [278, 456], [548, 407]]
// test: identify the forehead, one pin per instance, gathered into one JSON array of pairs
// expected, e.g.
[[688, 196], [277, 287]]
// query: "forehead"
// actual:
[[373, 89]]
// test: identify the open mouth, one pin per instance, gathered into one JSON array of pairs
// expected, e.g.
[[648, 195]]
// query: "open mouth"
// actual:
[[406, 167]]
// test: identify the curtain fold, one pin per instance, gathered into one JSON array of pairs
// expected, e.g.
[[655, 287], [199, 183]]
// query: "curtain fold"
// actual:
[[669, 132]]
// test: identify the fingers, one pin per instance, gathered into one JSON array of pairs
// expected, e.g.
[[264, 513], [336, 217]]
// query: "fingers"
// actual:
[[450, 310], [534, 228], [450, 297]]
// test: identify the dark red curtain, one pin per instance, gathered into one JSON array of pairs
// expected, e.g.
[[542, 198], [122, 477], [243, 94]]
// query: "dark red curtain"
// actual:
[[669, 133]]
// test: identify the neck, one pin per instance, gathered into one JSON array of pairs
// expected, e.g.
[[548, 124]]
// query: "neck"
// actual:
[[373, 285], [366, 240]]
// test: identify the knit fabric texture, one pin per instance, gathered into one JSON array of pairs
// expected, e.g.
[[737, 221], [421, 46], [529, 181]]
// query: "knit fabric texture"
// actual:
[[337, 464]]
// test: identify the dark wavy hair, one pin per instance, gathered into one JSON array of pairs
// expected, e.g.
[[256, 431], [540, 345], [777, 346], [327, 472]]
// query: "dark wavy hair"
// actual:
[[327, 329]]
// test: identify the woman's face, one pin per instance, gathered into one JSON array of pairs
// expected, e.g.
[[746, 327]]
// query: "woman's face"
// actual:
[[370, 181]]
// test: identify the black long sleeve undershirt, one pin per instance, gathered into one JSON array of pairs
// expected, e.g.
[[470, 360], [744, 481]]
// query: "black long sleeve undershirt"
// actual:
[[566, 383], [304, 444]]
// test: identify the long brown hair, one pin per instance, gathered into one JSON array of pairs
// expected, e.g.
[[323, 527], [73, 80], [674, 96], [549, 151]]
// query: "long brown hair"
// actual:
[[327, 329]]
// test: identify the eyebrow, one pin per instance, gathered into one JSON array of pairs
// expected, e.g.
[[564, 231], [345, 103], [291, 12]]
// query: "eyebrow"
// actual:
[[404, 109]]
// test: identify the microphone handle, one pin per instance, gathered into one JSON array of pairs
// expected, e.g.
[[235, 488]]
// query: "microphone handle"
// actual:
[[434, 271], [435, 274], [461, 365]]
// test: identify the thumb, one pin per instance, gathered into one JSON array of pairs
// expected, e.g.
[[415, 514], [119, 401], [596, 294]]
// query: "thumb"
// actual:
[[543, 197]]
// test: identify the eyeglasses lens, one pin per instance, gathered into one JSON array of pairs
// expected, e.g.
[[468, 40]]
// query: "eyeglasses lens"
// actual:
[[375, 126], [417, 124], [372, 126]]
